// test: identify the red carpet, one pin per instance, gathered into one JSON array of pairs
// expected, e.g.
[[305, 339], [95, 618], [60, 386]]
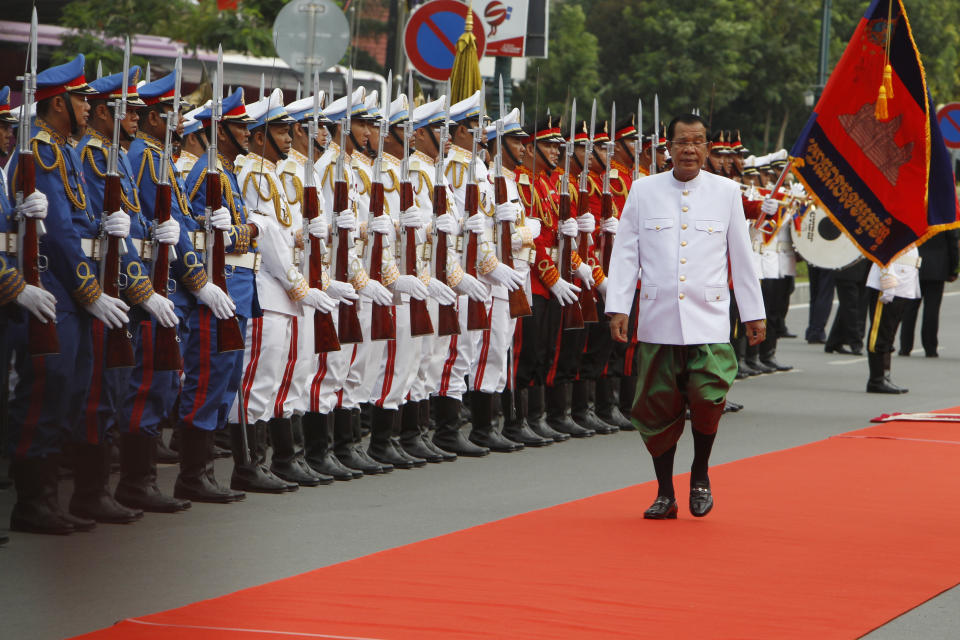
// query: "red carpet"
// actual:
[[828, 540]]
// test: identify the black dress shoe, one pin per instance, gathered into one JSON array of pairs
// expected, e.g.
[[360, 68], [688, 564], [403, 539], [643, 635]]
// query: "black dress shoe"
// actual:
[[772, 363], [932, 354], [788, 334], [839, 348], [701, 499], [884, 386], [759, 366], [744, 367], [906, 354], [663, 508], [732, 407]]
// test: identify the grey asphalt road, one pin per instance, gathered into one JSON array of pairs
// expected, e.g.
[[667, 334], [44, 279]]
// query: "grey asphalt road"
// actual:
[[53, 587]]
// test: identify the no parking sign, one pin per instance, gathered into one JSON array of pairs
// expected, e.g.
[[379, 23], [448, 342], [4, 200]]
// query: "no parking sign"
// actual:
[[431, 34], [948, 117]]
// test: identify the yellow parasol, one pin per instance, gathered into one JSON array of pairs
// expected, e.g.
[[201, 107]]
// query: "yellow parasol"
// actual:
[[465, 77]]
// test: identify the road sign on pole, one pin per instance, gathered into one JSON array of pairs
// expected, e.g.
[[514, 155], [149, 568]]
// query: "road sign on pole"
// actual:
[[290, 33], [430, 37], [948, 117]]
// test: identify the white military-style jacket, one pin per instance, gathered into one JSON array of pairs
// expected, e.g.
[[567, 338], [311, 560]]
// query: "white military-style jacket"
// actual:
[[682, 235], [906, 268]]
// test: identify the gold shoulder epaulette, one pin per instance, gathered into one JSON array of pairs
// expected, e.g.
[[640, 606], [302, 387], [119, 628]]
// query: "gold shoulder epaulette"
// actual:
[[94, 142], [523, 179], [614, 174], [43, 136], [414, 164]]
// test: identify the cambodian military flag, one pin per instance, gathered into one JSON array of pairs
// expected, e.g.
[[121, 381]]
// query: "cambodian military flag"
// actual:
[[872, 153]]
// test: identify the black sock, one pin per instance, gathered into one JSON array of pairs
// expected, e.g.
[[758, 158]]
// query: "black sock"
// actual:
[[663, 465], [702, 445]]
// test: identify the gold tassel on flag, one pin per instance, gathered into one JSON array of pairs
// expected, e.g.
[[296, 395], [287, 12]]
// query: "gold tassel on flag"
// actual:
[[888, 80], [881, 111], [465, 77]]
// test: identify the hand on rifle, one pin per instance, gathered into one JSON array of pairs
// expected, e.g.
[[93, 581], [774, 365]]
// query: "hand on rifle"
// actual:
[[564, 292], [108, 310], [472, 288], [341, 292], [610, 225], [384, 226], [319, 301], [410, 285], [441, 292], [346, 220], [378, 293], [586, 275], [568, 228], [221, 220], [40, 302], [219, 302], [602, 288], [34, 206], [504, 276], [507, 212], [318, 228], [586, 223], [117, 224], [475, 223], [447, 224], [411, 219], [167, 232], [769, 207], [161, 309]]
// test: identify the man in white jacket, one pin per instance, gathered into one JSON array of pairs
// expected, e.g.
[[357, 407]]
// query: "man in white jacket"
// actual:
[[891, 289], [681, 228]]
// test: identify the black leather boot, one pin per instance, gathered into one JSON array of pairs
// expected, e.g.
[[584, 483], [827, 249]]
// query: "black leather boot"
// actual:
[[879, 378], [249, 471], [628, 389], [165, 455], [138, 488], [411, 437], [175, 441], [537, 418], [318, 444], [299, 447], [515, 427], [283, 462], [196, 480], [886, 375], [484, 432], [607, 409], [91, 491], [395, 439], [381, 446], [558, 413], [448, 435], [426, 429], [221, 444], [347, 445], [37, 509], [582, 408]]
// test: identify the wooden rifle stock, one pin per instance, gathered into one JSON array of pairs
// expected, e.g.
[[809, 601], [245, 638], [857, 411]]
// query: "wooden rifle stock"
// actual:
[[166, 347], [606, 239], [477, 317], [41, 336], [588, 300], [119, 346], [572, 314], [229, 337], [519, 306], [383, 320], [348, 320], [420, 324], [447, 322], [324, 331]]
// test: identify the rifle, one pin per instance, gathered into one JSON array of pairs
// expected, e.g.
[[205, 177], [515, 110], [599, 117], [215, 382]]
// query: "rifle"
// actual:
[[383, 321], [348, 329], [519, 306], [420, 324], [655, 138], [606, 209], [572, 313], [119, 344], [477, 317], [447, 322], [229, 336], [639, 143], [41, 336], [588, 300], [166, 350]]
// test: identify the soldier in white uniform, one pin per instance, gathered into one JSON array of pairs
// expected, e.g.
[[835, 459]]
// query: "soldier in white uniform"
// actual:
[[194, 143], [680, 228], [891, 289]]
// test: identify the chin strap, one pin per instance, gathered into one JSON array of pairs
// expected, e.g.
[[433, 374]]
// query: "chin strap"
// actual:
[[233, 140], [596, 156], [516, 162], [273, 143], [74, 125], [550, 165], [623, 145]]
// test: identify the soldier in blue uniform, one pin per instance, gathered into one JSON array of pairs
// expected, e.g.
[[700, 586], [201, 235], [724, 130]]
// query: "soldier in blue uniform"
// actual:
[[212, 379], [50, 389]]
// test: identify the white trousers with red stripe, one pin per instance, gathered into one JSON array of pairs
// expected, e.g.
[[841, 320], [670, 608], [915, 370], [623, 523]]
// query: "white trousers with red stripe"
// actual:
[[363, 364], [270, 355], [431, 359], [456, 358], [298, 399], [488, 370], [397, 367], [326, 376]]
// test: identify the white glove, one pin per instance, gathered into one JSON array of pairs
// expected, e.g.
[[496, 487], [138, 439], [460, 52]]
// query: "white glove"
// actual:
[[769, 207], [221, 220], [108, 310], [569, 227], [602, 288], [412, 286], [40, 302], [341, 291], [346, 220], [475, 223], [446, 224], [219, 302], [381, 224], [888, 281], [35, 205], [586, 223], [564, 292], [472, 288], [318, 228], [161, 309], [117, 224], [586, 275], [167, 232], [507, 212], [319, 301], [610, 225], [505, 276], [411, 219], [886, 296], [441, 292], [377, 292], [534, 225]]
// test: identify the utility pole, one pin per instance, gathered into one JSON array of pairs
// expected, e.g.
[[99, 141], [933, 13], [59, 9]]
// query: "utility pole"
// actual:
[[822, 71]]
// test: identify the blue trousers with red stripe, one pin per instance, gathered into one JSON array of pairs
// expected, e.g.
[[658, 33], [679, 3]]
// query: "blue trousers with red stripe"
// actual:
[[50, 390], [104, 393], [211, 379]]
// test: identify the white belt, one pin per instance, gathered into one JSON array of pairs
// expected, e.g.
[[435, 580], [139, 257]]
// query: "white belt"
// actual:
[[199, 240], [247, 261], [144, 247], [91, 247], [8, 243], [296, 255], [909, 262], [784, 247]]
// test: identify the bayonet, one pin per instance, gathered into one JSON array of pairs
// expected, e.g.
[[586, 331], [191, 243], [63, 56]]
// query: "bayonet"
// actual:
[[639, 143], [655, 138], [611, 133], [146, 76], [262, 85], [498, 159], [588, 149], [99, 69]]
